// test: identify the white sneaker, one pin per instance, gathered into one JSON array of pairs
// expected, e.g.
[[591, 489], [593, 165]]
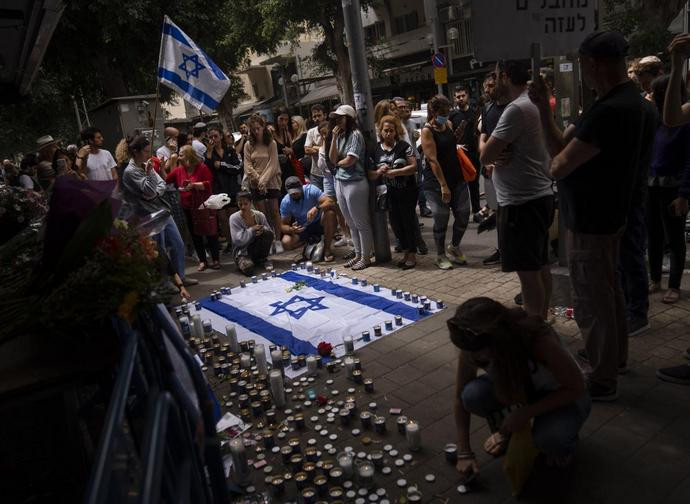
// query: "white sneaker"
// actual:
[[278, 247], [341, 243]]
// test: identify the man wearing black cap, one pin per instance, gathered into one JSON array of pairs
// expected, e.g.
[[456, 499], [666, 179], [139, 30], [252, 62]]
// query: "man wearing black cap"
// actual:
[[596, 162], [307, 214]]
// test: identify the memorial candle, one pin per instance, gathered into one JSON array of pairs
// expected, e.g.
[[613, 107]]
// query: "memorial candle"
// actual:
[[260, 356], [311, 365], [414, 436], [277, 388], [239, 460], [231, 333]]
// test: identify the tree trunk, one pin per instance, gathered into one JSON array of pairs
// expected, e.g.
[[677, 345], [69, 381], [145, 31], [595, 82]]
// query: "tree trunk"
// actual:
[[225, 113], [343, 72]]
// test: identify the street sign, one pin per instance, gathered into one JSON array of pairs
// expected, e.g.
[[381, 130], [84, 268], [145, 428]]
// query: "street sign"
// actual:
[[441, 75], [438, 60], [506, 29]]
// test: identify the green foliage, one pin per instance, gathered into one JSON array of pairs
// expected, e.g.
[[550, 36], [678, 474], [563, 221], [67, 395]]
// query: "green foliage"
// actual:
[[644, 22], [108, 48]]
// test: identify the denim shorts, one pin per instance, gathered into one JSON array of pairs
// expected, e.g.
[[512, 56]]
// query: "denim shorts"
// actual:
[[329, 184]]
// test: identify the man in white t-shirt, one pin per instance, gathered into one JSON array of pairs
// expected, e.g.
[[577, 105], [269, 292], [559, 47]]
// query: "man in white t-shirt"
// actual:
[[165, 151], [517, 150], [92, 161], [313, 143], [199, 135]]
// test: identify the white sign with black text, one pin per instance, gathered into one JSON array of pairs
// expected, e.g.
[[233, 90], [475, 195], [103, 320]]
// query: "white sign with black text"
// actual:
[[506, 29]]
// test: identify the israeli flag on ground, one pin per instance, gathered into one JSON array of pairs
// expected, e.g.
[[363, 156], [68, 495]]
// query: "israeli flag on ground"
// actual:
[[186, 68], [300, 310]]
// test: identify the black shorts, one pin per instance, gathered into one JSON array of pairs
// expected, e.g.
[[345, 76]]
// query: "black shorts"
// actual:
[[523, 234], [269, 194], [313, 230]]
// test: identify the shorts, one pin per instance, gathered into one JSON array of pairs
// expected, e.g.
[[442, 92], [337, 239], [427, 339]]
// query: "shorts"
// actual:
[[523, 234], [329, 184], [313, 230], [269, 194]]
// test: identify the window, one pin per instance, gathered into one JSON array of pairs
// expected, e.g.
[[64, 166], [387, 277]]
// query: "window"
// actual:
[[375, 33], [406, 22]]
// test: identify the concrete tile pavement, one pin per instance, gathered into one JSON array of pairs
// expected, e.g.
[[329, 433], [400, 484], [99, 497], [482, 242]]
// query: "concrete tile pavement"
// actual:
[[634, 450]]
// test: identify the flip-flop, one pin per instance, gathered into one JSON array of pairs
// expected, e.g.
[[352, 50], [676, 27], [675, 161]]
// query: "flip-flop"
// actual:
[[672, 296]]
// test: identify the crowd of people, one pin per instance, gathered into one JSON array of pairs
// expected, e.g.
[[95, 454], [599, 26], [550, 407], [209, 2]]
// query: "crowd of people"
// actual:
[[619, 176]]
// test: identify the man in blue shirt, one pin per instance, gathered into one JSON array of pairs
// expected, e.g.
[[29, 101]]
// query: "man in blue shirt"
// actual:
[[306, 215]]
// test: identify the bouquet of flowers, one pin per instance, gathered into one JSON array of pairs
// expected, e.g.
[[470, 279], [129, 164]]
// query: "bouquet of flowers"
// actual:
[[18, 209], [77, 268]]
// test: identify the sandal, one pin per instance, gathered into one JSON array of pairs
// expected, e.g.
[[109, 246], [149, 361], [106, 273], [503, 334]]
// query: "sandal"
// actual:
[[352, 262], [201, 267], [360, 265], [654, 287], [672, 296], [496, 444], [350, 255]]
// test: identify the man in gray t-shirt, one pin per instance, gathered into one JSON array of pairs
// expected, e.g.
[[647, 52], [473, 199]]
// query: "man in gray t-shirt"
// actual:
[[523, 188]]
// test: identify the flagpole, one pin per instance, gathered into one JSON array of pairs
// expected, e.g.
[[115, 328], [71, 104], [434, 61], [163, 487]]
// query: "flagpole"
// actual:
[[158, 84]]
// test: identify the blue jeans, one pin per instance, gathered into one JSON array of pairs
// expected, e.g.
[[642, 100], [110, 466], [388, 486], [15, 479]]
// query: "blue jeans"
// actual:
[[170, 239], [555, 433], [460, 206]]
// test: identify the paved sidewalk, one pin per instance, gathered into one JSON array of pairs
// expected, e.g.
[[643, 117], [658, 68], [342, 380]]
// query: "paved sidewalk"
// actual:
[[634, 450]]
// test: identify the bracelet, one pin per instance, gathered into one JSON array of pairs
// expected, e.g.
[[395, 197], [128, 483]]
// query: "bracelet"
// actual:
[[467, 455]]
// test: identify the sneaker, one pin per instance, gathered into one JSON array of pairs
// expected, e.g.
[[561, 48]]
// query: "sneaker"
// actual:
[[340, 242], [425, 212], [494, 258], [443, 263], [487, 224], [422, 249], [278, 247], [637, 325], [582, 355], [677, 374], [455, 255], [188, 282], [599, 393]]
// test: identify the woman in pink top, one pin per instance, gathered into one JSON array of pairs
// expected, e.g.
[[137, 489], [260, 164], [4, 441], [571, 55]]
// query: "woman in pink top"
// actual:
[[194, 180], [263, 173]]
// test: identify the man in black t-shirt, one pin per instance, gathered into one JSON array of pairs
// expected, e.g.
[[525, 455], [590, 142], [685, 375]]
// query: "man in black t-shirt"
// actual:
[[490, 114], [464, 118], [596, 162]]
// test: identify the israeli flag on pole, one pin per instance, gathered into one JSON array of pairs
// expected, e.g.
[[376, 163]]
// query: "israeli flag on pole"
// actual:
[[186, 68]]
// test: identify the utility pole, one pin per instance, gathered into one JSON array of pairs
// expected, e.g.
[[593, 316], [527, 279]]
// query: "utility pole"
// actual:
[[365, 112], [431, 13], [76, 112]]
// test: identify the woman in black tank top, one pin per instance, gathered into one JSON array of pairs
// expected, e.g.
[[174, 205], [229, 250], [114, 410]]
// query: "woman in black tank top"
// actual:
[[444, 186]]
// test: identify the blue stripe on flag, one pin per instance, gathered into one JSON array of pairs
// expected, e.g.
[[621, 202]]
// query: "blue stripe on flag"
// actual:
[[214, 68], [257, 325], [356, 296], [175, 33], [185, 86]]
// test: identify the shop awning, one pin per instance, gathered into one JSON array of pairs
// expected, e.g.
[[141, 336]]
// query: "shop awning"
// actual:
[[320, 94]]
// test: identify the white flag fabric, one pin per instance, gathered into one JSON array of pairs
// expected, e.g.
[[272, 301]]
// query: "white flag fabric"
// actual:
[[187, 69], [300, 310]]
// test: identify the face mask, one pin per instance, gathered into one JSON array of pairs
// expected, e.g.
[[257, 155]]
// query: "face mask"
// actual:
[[441, 120]]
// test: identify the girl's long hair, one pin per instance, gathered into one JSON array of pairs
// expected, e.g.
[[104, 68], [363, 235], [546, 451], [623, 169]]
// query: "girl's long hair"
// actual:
[[482, 323], [257, 119]]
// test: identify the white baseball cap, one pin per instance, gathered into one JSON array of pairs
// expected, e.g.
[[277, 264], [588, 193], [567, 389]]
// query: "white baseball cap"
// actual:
[[346, 110]]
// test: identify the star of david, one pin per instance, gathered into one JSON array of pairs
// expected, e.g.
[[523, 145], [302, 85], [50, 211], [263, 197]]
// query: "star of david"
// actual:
[[312, 304], [194, 59]]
